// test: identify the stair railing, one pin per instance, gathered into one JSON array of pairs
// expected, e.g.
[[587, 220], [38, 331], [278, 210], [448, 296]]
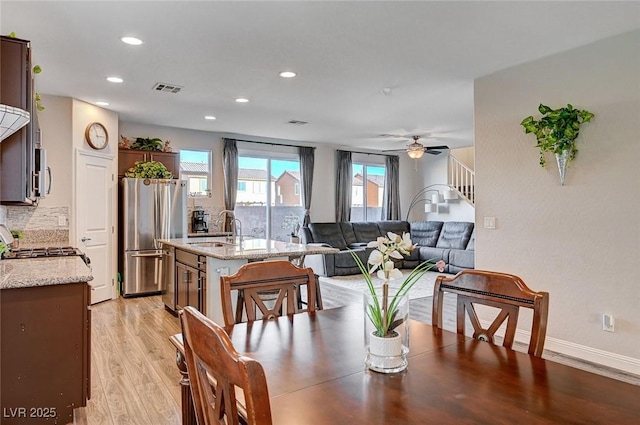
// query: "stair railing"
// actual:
[[462, 179]]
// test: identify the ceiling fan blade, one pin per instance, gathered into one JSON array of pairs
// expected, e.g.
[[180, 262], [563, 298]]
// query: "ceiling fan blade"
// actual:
[[443, 147], [432, 152]]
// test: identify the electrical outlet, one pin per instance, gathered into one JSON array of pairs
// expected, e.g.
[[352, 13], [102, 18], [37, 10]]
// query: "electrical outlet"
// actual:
[[608, 323], [489, 222], [62, 220]]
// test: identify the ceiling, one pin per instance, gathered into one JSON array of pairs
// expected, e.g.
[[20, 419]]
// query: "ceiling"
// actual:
[[344, 53]]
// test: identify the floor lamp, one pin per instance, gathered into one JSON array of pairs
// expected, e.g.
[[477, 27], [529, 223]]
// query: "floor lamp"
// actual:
[[431, 202]]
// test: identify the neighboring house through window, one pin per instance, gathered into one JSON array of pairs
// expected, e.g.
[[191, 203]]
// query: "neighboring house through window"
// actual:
[[367, 191], [270, 195], [195, 167]]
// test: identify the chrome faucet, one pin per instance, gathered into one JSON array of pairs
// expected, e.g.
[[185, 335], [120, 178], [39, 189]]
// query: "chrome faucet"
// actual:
[[234, 222]]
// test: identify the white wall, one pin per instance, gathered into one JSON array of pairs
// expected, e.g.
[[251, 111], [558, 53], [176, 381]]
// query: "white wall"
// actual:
[[580, 242]]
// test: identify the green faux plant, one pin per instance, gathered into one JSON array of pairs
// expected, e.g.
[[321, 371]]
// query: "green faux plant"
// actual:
[[148, 170], [147, 144], [3, 248], [557, 130]]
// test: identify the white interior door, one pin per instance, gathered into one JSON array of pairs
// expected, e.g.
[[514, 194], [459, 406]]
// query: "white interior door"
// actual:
[[94, 220]]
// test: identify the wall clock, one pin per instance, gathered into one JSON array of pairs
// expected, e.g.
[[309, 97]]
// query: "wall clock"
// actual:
[[96, 135]]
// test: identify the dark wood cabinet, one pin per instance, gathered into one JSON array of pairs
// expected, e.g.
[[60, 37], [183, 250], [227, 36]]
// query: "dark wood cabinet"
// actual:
[[17, 160], [191, 280], [45, 340], [128, 157]]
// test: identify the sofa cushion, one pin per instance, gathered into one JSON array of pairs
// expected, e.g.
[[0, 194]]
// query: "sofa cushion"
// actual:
[[395, 226], [344, 259], [425, 233], [461, 259], [329, 233], [455, 235], [366, 231], [348, 234]]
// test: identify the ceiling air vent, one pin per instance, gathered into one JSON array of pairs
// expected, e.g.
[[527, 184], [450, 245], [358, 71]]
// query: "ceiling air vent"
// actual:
[[296, 122], [169, 88]]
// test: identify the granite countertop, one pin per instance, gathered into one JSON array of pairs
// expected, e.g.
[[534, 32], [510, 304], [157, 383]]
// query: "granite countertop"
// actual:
[[250, 249], [29, 272]]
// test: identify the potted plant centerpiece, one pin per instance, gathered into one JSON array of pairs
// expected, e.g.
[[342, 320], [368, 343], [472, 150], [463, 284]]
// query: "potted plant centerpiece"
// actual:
[[556, 132], [386, 308]]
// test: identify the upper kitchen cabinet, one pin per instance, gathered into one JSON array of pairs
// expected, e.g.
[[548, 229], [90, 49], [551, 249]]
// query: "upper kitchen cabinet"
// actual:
[[128, 157], [22, 167]]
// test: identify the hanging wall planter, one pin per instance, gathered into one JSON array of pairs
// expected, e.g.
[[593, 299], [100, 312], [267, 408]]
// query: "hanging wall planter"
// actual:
[[556, 132]]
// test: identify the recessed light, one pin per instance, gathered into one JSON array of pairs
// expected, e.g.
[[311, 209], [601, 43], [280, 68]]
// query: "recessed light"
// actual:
[[242, 100], [209, 117], [115, 79], [101, 103], [287, 74], [132, 41]]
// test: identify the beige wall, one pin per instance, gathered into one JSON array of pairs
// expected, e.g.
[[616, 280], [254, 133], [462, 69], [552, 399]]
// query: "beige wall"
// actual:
[[580, 242]]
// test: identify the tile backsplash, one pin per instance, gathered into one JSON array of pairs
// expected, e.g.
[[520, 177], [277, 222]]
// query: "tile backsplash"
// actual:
[[39, 224]]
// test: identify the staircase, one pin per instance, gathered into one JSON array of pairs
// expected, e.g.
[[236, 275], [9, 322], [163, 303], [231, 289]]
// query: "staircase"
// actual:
[[462, 178]]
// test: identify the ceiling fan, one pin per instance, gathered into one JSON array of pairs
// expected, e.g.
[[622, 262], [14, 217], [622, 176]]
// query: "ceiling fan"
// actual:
[[416, 149]]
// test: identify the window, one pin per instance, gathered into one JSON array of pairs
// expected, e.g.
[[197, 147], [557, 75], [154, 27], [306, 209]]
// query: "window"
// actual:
[[242, 186], [195, 167], [269, 208], [367, 189]]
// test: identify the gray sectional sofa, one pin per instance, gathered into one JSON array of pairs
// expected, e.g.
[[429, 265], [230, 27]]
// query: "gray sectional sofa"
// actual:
[[451, 241]]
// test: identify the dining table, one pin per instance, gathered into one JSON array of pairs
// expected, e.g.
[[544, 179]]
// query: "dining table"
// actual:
[[314, 365]]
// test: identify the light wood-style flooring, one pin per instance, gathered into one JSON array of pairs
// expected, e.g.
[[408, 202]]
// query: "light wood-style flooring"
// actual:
[[134, 379]]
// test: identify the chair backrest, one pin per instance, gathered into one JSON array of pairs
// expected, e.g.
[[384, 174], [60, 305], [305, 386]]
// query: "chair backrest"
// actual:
[[217, 371], [267, 287], [506, 292]]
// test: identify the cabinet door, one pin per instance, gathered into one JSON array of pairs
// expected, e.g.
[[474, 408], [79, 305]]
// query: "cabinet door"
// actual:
[[170, 160], [127, 159], [187, 289], [182, 286]]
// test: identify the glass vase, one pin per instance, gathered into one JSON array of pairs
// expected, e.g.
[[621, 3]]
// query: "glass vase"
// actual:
[[387, 354]]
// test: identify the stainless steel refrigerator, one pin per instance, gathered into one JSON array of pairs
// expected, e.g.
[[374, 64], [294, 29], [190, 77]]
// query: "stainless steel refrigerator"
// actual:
[[150, 209]]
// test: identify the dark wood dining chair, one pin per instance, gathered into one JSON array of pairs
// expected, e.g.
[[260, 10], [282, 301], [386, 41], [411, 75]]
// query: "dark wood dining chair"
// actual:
[[505, 292], [270, 288], [217, 371]]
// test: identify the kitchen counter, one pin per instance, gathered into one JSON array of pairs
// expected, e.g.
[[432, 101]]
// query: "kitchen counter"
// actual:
[[26, 273], [224, 258], [249, 249]]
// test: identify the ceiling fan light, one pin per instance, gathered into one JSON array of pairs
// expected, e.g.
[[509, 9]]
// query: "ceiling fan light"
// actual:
[[415, 150]]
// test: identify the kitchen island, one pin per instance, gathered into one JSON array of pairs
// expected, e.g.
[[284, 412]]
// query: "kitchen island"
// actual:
[[224, 257], [45, 339]]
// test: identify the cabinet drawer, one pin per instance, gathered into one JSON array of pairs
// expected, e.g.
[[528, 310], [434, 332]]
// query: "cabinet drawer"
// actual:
[[194, 260]]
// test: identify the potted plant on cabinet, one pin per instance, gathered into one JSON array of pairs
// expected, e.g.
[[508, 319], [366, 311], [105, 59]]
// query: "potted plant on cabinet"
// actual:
[[556, 132]]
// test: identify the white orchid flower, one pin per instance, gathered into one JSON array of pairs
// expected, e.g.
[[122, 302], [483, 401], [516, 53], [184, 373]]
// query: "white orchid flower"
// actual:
[[406, 243], [380, 243], [390, 271], [375, 259]]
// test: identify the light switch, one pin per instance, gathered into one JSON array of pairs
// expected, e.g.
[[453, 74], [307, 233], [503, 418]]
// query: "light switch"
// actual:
[[489, 222], [62, 220]]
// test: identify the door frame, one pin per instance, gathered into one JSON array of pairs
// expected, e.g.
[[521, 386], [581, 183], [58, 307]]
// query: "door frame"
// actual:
[[73, 221]]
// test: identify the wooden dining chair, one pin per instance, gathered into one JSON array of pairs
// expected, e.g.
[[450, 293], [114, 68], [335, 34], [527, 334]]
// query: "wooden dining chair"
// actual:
[[217, 372], [505, 292], [270, 288]]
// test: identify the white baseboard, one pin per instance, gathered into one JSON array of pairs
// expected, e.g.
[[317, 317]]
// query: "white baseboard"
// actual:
[[581, 352], [593, 355]]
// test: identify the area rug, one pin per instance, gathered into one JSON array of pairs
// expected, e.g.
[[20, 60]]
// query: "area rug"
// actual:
[[423, 287]]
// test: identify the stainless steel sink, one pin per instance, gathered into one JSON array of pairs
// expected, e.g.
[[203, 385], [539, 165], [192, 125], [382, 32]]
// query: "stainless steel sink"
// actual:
[[216, 244]]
